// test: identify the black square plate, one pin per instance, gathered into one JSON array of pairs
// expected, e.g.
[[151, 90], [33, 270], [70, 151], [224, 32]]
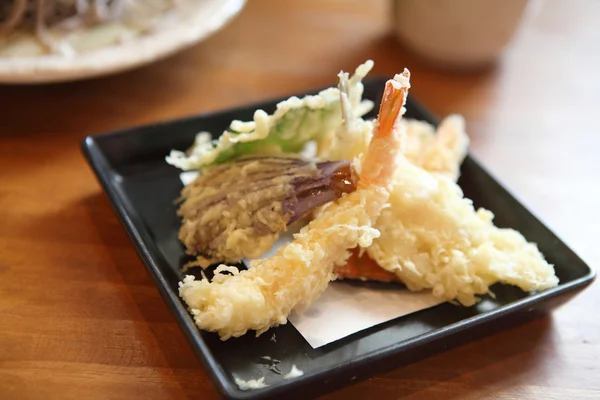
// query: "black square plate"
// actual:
[[131, 167]]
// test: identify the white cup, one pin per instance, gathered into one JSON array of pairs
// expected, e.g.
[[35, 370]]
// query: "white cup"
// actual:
[[458, 33]]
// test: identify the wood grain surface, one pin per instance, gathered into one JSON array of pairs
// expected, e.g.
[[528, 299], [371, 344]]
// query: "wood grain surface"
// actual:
[[81, 319]]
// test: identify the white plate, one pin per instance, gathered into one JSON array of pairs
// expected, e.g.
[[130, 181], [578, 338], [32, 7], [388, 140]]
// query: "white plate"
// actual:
[[172, 36]]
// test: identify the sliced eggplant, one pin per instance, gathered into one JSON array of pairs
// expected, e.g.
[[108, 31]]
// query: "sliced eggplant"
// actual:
[[238, 209]]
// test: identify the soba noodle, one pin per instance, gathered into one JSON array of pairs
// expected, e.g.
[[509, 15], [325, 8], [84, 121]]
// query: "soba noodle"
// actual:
[[39, 16]]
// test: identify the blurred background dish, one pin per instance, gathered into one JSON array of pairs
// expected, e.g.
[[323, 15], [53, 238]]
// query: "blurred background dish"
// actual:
[[459, 33], [66, 40]]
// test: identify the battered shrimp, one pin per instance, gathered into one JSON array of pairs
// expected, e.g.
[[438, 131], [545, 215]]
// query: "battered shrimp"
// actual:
[[264, 295]]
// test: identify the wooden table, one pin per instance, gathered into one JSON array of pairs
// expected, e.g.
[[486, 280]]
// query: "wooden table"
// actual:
[[81, 319]]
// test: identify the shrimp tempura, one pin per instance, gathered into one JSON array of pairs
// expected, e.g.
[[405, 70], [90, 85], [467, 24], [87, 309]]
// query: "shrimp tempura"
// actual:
[[264, 295]]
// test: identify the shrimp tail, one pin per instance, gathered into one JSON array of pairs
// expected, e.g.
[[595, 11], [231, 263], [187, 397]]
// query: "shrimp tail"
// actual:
[[389, 134]]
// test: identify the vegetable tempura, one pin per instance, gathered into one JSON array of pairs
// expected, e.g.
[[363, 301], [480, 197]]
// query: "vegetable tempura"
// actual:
[[238, 209]]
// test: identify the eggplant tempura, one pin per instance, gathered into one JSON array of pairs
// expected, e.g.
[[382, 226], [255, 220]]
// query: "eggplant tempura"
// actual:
[[238, 209]]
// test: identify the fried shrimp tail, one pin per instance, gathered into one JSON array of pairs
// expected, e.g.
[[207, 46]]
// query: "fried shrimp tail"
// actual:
[[264, 295], [386, 144]]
